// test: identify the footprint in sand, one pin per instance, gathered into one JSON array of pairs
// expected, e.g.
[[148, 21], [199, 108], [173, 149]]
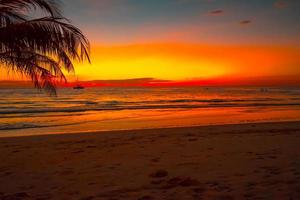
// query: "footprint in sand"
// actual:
[[159, 174], [78, 151], [193, 140], [146, 197], [155, 160], [180, 182], [91, 146], [225, 197], [16, 196], [87, 198]]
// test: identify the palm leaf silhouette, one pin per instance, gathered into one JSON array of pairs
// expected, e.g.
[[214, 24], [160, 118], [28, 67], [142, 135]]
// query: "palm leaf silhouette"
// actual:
[[39, 48]]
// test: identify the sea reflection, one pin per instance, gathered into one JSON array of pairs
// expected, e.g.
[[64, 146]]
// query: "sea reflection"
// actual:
[[26, 112]]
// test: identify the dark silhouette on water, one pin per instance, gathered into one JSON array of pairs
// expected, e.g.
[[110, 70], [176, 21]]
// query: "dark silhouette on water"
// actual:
[[78, 87], [39, 48]]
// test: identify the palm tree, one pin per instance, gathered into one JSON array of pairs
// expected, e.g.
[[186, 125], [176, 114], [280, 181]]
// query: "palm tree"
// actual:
[[39, 48]]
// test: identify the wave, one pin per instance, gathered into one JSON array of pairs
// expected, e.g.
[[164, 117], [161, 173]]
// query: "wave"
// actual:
[[63, 105], [209, 100], [118, 106], [22, 125], [19, 125]]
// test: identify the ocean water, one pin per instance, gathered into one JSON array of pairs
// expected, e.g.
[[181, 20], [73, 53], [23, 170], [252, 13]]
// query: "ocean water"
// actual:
[[29, 112]]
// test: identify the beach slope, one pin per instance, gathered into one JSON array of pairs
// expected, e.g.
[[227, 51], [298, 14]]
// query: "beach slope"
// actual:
[[250, 161]]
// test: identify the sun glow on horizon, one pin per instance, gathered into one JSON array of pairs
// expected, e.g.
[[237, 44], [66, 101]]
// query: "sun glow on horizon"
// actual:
[[191, 40], [185, 61], [180, 61]]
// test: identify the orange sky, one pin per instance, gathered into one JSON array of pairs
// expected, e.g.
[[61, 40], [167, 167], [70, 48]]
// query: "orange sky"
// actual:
[[178, 61], [187, 61], [187, 39]]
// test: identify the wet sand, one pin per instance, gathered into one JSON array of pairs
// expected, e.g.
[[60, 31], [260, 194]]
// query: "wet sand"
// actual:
[[251, 161]]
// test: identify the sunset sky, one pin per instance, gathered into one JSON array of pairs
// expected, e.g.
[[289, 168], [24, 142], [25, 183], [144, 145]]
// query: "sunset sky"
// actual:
[[188, 39]]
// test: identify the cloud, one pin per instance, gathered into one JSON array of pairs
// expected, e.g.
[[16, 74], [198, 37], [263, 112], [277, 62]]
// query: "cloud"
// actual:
[[281, 4], [245, 22], [216, 12], [189, 1]]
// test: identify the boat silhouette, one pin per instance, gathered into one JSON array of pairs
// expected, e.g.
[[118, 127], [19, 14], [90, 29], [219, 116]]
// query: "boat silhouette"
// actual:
[[78, 87]]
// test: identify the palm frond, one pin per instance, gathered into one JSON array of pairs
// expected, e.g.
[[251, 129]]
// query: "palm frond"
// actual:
[[50, 36], [43, 70], [39, 48], [49, 6]]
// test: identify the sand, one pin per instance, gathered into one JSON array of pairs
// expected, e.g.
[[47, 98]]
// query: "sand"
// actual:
[[251, 161]]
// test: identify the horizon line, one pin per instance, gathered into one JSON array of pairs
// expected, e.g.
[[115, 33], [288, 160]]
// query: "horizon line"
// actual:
[[262, 81]]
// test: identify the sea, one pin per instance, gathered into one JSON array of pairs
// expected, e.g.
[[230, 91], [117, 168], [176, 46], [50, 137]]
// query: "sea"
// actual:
[[25, 112]]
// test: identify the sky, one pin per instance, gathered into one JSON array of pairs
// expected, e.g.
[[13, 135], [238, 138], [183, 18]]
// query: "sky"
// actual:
[[188, 39]]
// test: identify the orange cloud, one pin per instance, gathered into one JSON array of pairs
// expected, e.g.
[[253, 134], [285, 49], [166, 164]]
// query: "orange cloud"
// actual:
[[280, 4], [245, 22], [216, 12]]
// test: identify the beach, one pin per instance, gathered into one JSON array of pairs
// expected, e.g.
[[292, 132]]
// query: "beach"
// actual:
[[149, 100], [243, 161]]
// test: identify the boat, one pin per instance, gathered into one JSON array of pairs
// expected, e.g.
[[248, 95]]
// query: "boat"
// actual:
[[78, 87]]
